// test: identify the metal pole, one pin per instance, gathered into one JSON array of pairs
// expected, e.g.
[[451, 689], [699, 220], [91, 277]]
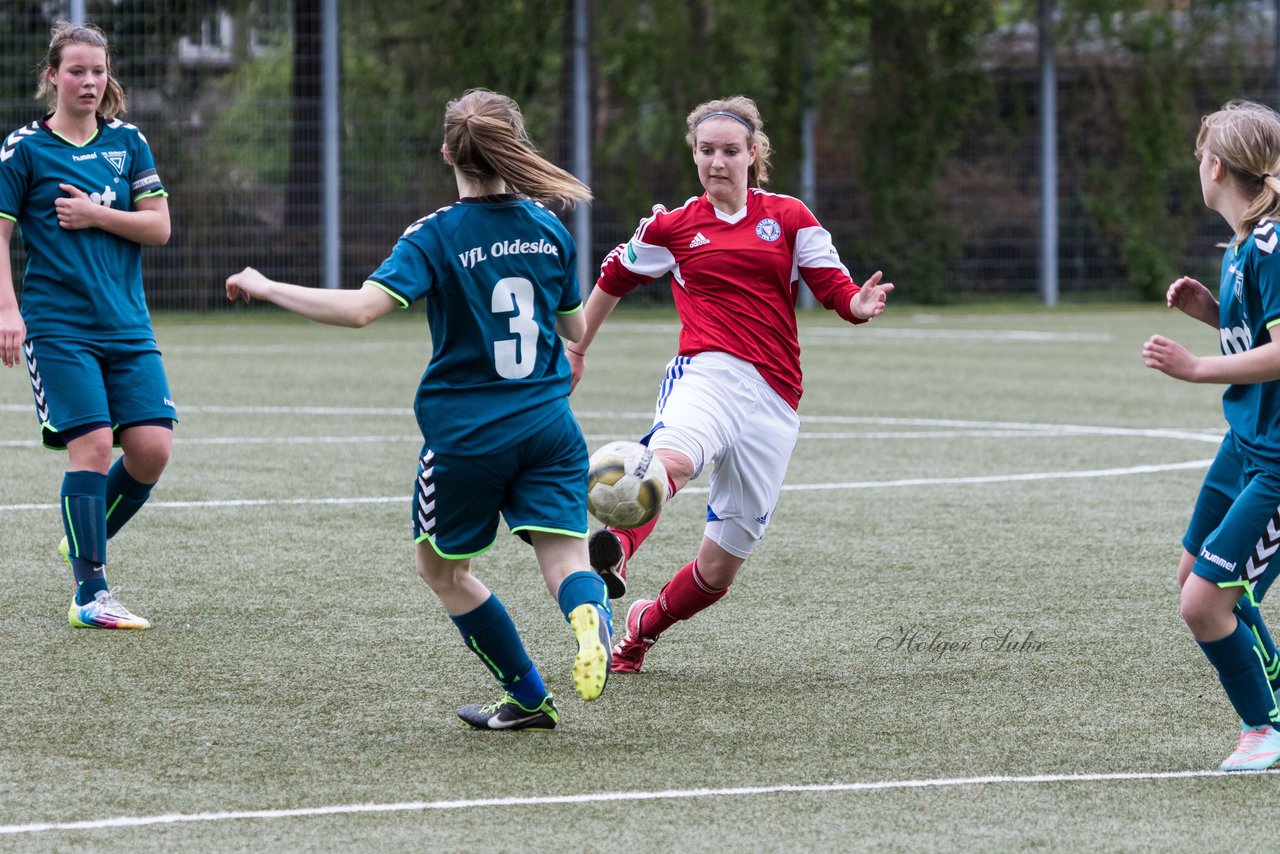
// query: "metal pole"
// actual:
[[76, 15], [332, 142], [582, 143], [808, 180], [1048, 159]]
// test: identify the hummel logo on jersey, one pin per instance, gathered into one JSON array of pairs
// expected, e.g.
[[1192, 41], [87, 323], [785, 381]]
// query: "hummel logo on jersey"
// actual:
[[12, 140], [1264, 236], [699, 239]]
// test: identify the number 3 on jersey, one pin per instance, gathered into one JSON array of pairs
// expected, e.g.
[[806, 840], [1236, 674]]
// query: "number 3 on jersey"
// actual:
[[514, 359]]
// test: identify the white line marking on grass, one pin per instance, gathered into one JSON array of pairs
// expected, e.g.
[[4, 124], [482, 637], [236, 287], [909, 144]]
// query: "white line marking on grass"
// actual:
[[607, 797], [828, 436], [698, 490], [994, 478]]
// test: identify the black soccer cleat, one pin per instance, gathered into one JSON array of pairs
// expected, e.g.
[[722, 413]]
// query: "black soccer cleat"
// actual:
[[604, 550]]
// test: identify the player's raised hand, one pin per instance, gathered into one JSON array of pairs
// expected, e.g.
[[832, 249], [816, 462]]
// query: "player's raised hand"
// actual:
[[246, 284], [1193, 299], [1169, 357], [76, 210], [869, 302]]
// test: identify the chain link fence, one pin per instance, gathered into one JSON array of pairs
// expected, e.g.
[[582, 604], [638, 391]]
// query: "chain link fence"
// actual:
[[231, 107]]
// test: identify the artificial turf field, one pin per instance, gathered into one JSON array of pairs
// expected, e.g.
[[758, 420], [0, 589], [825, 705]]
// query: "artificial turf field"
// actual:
[[961, 631]]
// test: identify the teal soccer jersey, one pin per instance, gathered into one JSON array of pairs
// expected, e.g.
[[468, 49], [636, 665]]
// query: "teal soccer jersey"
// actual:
[[78, 282], [494, 272], [1249, 308]]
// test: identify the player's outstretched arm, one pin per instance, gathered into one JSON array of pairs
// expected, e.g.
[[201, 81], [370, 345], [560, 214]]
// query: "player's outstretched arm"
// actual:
[[338, 308], [869, 301], [1193, 299], [12, 329]]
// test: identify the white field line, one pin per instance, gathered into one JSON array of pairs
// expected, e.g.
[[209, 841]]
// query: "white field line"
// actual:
[[608, 797], [903, 435], [978, 429], [701, 490]]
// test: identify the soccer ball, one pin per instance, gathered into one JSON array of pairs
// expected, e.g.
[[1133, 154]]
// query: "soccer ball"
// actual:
[[626, 484]]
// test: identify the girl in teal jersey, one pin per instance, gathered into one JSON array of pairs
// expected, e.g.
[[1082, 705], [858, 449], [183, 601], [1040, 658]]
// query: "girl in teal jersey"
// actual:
[[1229, 550], [497, 273], [82, 187]]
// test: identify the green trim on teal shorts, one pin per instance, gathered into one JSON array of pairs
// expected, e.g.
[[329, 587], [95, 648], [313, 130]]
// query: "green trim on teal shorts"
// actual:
[[427, 538], [1247, 585], [580, 535]]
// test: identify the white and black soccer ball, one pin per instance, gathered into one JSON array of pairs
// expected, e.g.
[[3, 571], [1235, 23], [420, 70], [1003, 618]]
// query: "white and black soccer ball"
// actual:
[[626, 484]]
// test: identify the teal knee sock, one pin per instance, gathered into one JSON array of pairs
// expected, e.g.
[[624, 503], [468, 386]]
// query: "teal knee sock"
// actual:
[[125, 497], [1239, 664], [489, 632], [581, 588], [1249, 614], [84, 519]]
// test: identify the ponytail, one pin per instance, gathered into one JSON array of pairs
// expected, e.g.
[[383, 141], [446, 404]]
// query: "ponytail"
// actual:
[[485, 137]]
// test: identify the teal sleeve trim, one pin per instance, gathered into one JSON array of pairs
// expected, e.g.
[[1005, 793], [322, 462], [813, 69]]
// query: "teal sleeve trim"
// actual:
[[404, 303]]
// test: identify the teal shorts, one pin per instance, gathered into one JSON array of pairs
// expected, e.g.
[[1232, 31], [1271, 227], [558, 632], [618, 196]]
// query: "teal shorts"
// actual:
[[1235, 528], [79, 383], [538, 484]]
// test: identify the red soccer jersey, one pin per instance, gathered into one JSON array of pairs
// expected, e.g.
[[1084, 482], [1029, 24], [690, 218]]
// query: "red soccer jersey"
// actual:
[[736, 277]]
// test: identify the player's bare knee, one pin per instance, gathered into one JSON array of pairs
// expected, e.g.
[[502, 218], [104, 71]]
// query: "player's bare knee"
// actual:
[[1205, 618], [91, 452], [680, 469]]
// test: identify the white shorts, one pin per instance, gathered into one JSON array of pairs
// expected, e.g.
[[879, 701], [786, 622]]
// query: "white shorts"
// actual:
[[715, 408]]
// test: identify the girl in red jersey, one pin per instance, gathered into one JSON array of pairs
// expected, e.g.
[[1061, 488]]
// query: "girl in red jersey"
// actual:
[[735, 256]]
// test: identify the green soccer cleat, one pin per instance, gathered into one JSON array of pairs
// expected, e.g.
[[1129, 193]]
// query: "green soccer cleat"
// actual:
[[1259, 748], [104, 612], [591, 667], [64, 549], [508, 714]]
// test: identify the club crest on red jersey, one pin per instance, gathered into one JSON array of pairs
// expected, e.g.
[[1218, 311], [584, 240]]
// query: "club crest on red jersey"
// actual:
[[768, 229]]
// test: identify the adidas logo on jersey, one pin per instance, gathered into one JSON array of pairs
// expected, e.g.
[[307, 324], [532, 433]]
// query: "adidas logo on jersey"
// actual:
[[698, 240]]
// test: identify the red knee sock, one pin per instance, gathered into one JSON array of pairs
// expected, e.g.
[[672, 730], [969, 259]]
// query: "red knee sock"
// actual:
[[683, 596], [631, 538]]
